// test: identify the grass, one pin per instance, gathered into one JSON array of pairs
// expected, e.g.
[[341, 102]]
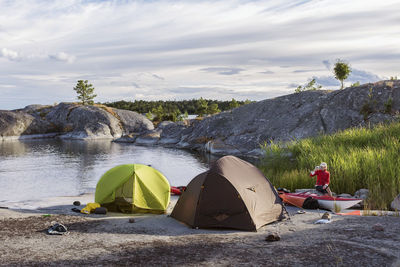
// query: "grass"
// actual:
[[357, 158]]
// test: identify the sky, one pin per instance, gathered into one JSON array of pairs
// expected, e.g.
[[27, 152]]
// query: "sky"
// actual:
[[175, 50]]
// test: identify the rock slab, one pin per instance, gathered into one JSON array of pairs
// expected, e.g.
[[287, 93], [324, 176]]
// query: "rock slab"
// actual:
[[71, 121]]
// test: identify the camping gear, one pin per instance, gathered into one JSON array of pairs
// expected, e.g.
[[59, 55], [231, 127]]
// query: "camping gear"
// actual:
[[370, 213], [292, 199], [354, 212], [326, 216], [177, 190], [325, 202], [57, 229], [231, 194], [299, 201], [322, 221], [133, 188], [273, 237], [76, 210], [100, 210], [90, 207]]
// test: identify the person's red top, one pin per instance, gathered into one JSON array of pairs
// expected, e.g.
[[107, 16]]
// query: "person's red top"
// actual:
[[323, 177]]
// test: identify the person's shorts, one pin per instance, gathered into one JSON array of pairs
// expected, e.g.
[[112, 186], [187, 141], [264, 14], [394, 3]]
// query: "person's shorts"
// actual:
[[321, 189]]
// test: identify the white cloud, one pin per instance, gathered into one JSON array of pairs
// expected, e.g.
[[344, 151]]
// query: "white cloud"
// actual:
[[223, 70], [363, 76], [131, 49], [61, 56], [9, 54]]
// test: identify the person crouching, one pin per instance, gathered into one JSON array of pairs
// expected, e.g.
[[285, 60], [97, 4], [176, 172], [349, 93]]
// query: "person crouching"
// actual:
[[323, 178]]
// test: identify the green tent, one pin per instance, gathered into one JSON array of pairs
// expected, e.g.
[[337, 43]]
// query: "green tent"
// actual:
[[133, 188]]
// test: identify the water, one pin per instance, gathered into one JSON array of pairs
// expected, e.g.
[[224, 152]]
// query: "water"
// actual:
[[38, 169]]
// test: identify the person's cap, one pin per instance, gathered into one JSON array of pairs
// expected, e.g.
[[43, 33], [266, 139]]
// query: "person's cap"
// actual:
[[323, 165]]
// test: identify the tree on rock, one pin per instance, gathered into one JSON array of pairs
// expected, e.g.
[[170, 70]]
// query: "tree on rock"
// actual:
[[310, 86], [202, 106], [341, 70], [213, 109], [233, 104], [85, 92]]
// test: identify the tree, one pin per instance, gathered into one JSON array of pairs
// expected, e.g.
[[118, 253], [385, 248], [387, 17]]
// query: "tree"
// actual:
[[213, 109], [202, 107], [149, 115], [233, 104], [158, 113], [311, 85], [183, 116], [247, 101], [342, 71], [85, 92]]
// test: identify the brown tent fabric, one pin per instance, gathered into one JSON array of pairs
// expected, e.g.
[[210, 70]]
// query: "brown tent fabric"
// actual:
[[232, 194]]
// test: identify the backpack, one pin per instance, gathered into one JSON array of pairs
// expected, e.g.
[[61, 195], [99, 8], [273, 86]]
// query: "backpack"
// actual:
[[310, 203]]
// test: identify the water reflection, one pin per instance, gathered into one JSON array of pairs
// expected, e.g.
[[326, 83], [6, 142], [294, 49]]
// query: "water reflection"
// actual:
[[34, 169], [12, 148]]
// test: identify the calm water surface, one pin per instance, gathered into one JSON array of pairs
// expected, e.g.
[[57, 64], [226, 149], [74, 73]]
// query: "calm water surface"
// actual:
[[39, 169]]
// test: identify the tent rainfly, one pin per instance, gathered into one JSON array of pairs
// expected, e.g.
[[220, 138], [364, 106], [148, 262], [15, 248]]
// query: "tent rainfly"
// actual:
[[133, 188], [231, 194]]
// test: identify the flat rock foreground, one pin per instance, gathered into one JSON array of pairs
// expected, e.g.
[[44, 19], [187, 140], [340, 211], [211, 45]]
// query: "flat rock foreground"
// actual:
[[106, 240]]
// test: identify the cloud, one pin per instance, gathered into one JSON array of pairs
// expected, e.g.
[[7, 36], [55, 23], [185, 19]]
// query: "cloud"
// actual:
[[363, 76], [293, 85], [16, 56], [327, 81], [192, 90], [158, 77], [223, 71], [10, 54], [221, 93], [356, 75], [135, 85], [62, 56], [327, 64], [253, 48], [302, 71], [7, 86], [267, 72]]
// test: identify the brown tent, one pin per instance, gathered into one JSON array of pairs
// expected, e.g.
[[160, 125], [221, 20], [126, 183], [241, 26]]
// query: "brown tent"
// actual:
[[232, 194]]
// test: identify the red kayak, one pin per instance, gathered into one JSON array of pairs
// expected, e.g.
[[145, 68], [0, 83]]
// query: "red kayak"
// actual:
[[325, 202], [177, 190]]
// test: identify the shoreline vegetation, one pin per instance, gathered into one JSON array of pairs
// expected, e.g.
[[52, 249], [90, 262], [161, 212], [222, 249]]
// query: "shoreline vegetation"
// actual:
[[175, 110], [357, 158]]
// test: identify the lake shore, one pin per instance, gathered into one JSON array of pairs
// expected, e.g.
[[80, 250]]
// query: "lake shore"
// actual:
[[105, 240]]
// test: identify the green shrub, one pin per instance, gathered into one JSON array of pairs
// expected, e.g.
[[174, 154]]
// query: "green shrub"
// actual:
[[388, 105]]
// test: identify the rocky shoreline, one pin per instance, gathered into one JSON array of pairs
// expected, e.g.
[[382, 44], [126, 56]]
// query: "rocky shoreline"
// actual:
[[240, 131], [113, 239]]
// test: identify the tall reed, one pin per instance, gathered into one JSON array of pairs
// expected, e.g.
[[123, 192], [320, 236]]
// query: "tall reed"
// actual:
[[357, 158]]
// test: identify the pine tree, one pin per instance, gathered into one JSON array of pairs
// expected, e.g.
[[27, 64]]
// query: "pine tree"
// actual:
[[85, 92]]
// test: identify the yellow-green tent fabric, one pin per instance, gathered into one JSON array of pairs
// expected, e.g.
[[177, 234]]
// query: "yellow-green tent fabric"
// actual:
[[133, 188]]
